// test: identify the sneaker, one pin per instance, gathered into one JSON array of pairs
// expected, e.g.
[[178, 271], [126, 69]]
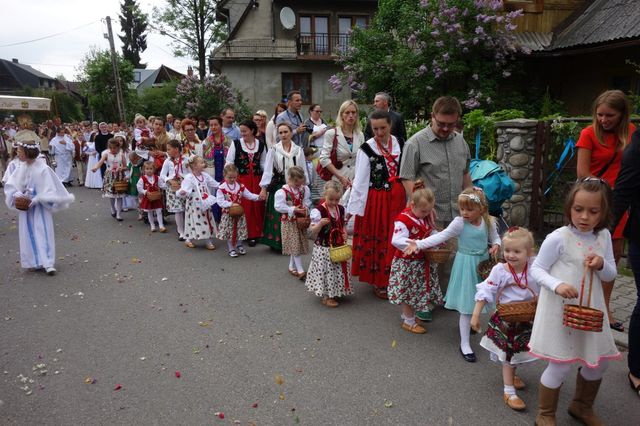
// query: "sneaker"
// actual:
[[180, 238], [241, 250], [233, 253], [50, 270], [153, 229], [425, 316]]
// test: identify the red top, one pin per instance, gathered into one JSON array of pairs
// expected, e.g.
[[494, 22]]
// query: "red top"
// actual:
[[601, 154], [418, 229]]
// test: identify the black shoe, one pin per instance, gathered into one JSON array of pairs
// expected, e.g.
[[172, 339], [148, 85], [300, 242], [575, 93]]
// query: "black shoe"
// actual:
[[69, 184], [468, 357], [113, 215], [119, 219], [252, 243]]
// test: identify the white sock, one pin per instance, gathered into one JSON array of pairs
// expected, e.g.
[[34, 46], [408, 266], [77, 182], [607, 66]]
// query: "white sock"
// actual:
[[465, 332], [152, 223], [118, 207], [509, 390], [292, 264], [112, 202], [230, 246], [210, 241], [298, 261], [555, 373], [180, 223], [159, 216], [408, 320]]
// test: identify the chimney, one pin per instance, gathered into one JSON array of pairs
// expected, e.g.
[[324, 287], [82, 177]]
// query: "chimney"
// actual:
[[14, 60], [190, 71]]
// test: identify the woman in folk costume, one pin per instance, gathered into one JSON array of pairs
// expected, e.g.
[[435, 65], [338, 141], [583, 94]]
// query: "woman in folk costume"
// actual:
[[63, 150], [377, 197], [214, 152], [35, 180], [280, 158], [249, 155], [189, 138]]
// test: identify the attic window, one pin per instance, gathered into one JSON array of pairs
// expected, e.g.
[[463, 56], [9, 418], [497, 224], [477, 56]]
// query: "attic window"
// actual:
[[136, 76]]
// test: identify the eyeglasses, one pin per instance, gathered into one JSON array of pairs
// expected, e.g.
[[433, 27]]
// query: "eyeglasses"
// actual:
[[444, 126]]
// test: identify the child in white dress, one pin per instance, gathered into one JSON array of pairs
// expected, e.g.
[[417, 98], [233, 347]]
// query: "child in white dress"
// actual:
[[511, 282], [93, 179], [174, 168], [230, 192], [579, 251], [198, 188]]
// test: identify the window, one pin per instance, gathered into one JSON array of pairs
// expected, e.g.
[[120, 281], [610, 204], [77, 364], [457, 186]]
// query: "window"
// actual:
[[297, 81], [345, 24], [314, 34], [136, 76]]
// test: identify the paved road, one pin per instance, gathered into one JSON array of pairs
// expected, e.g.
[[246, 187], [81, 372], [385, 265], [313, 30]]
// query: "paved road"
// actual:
[[133, 308]]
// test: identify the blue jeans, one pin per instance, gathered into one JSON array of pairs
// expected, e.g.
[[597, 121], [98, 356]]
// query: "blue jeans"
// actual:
[[634, 324]]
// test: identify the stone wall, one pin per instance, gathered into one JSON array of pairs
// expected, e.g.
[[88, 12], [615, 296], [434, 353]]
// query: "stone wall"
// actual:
[[516, 154]]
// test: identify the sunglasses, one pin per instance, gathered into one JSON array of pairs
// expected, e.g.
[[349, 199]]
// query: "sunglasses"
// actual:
[[592, 179]]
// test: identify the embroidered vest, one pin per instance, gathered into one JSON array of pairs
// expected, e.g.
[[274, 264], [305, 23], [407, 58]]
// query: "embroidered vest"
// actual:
[[244, 163], [417, 231]]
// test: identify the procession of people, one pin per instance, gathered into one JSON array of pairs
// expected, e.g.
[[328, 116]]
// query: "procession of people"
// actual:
[[378, 207]]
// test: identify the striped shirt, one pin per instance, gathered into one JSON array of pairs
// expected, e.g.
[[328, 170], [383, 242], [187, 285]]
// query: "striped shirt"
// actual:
[[441, 164]]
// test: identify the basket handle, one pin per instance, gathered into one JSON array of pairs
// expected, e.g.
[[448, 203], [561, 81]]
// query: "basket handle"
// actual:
[[535, 298], [331, 239], [584, 278]]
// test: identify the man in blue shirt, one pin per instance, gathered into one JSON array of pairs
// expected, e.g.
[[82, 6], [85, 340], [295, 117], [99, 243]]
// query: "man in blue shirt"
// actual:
[[292, 116], [228, 116]]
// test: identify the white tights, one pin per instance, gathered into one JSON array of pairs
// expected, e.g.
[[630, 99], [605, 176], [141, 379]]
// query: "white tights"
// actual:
[[116, 206], [555, 373], [295, 262], [179, 217], [465, 332], [158, 215]]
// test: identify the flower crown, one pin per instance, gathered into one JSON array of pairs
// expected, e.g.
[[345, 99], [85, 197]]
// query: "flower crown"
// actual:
[[473, 197]]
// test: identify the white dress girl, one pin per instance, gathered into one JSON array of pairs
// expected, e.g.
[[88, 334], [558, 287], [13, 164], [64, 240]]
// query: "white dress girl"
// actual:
[[93, 179], [199, 194]]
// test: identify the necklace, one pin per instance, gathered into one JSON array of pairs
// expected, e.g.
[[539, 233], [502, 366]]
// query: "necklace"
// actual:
[[232, 189], [252, 147], [199, 178], [519, 278]]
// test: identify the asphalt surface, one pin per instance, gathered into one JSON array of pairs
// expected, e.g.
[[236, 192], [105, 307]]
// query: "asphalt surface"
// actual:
[[134, 309]]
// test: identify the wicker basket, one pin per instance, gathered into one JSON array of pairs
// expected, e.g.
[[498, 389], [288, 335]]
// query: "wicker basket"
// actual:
[[121, 186], [236, 210], [517, 311], [303, 223], [484, 268], [339, 253], [581, 317], [22, 203], [154, 195], [439, 255]]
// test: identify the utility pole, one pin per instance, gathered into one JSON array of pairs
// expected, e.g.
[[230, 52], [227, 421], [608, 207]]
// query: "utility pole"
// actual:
[[116, 75]]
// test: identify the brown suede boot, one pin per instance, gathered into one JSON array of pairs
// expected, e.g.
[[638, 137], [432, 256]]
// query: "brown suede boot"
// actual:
[[581, 407], [547, 405]]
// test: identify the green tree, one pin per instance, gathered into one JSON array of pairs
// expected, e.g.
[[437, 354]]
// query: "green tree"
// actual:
[[159, 101], [421, 49], [97, 83], [133, 23], [192, 26]]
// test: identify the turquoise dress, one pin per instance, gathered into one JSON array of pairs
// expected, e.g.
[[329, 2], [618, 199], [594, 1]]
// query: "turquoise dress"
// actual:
[[472, 249]]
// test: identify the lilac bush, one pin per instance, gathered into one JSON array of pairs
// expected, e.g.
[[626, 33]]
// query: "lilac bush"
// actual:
[[203, 98]]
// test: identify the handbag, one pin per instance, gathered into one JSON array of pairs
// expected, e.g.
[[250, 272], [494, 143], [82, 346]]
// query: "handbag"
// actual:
[[338, 253], [323, 172]]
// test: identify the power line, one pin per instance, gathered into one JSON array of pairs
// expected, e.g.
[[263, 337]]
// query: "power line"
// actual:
[[48, 36]]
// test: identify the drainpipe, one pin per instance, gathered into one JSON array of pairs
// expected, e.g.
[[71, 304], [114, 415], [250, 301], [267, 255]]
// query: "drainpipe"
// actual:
[[273, 21]]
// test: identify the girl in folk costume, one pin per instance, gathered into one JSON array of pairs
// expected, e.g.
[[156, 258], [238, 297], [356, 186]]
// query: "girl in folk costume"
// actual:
[[580, 250], [93, 179], [214, 153], [249, 156], [412, 282], [135, 170], [293, 201], [198, 189], [280, 158], [377, 197], [116, 163], [231, 192], [326, 278], [147, 184], [511, 282], [34, 180], [174, 168], [141, 130], [62, 148], [475, 231]]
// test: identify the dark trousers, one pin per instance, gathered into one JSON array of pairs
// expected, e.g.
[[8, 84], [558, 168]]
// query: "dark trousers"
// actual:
[[634, 324]]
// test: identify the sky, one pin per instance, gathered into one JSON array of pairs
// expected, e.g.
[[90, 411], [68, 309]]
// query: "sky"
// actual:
[[63, 54]]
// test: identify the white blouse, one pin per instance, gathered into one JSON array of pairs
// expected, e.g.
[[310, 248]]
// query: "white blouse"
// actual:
[[277, 157], [280, 202], [401, 233], [454, 230], [345, 153], [501, 278], [360, 184], [168, 170], [553, 247], [223, 200], [190, 183], [231, 153], [154, 180]]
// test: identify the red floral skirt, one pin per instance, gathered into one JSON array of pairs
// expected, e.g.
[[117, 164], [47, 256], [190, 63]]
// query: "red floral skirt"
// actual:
[[372, 250], [253, 210]]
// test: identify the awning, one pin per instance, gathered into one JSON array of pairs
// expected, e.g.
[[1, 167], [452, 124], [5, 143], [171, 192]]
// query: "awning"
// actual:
[[24, 103]]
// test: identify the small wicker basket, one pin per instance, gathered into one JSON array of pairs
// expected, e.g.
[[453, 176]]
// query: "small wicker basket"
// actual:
[[438, 255], [581, 317], [236, 210], [513, 312], [121, 186], [484, 268], [339, 253], [154, 195], [22, 203]]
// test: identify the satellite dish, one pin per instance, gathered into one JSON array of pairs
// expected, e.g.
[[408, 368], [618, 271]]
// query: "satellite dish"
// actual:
[[287, 18]]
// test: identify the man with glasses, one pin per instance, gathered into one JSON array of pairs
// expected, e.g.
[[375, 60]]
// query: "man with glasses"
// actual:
[[292, 116], [382, 101], [440, 157]]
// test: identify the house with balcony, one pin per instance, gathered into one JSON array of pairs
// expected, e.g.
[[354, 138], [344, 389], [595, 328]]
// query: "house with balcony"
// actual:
[[275, 46]]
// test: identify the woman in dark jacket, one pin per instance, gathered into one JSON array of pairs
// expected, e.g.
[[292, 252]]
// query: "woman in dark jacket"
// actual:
[[626, 195]]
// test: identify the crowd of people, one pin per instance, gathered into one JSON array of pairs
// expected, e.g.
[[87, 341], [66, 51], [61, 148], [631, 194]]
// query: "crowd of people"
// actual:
[[284, 180]]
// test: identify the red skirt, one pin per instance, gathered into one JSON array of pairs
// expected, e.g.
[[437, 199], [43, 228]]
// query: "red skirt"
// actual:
[[253, 210], [146, 204], [618, 233], [372, 250]]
